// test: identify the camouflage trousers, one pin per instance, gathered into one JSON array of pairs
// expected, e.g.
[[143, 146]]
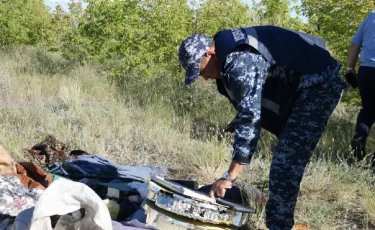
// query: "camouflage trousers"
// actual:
[[317, 97]]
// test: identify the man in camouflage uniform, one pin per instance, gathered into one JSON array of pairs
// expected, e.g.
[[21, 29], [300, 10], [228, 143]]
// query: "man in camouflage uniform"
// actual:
[[278, 79]]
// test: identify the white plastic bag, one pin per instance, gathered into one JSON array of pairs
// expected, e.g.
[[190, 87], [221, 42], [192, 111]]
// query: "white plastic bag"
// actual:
[[64, 197]]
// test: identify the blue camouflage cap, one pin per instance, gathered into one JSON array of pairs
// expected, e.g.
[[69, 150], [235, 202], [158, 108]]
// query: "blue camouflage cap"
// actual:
[[190, 54]]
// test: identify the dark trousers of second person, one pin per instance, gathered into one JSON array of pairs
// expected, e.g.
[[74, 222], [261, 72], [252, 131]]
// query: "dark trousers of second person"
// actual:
[[366, 116]]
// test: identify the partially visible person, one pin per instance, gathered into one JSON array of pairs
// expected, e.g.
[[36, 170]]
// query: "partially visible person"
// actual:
[[365, 39]]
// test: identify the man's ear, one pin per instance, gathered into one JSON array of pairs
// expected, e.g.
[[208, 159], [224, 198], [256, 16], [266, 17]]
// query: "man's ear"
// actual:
[[210, 53], [211, 50]]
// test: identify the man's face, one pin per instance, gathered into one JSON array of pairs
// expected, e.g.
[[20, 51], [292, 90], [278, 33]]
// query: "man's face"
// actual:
[[209, 68]]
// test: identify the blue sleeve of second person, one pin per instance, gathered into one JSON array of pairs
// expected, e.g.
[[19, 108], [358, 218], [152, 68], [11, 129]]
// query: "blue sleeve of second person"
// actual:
[[358, 37]]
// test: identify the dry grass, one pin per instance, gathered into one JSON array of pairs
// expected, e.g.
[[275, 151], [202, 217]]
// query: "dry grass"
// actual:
[[81, 108], [84, 110]]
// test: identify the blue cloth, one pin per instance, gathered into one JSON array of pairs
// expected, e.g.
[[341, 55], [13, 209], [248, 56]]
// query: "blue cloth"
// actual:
[[296, 51], [5, 221], [97, 167], [128, 210], [117, 184], [139, 215], [364, 38], [131, 225]]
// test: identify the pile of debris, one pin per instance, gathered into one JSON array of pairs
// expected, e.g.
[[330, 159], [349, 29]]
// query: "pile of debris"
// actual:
[[51, 151], [70, 189]]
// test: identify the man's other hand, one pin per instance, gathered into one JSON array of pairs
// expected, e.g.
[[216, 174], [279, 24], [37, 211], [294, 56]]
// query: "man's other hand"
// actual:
[[231, 127]]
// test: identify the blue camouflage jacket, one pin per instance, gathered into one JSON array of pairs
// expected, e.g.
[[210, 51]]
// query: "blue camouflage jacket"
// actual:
[[263, 94]]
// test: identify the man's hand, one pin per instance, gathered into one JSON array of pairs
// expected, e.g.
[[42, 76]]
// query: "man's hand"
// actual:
[[351, 77], [219, 188], [231, 127]]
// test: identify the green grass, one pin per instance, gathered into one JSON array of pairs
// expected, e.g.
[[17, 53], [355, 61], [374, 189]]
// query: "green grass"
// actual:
[[160, 123]]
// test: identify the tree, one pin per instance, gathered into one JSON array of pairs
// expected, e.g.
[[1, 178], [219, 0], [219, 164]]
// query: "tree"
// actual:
[[279, 13], [338, 21], [24, 22], [58, 29], [129, 34], [164, 25], [214, 15], [72, 44]]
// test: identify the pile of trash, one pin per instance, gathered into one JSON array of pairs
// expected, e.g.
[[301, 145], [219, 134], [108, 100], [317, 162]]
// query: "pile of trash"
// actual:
[[67, 189]]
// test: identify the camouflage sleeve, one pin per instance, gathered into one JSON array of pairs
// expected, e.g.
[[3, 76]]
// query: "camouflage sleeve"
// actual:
[[245, 76], [221, 88]]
